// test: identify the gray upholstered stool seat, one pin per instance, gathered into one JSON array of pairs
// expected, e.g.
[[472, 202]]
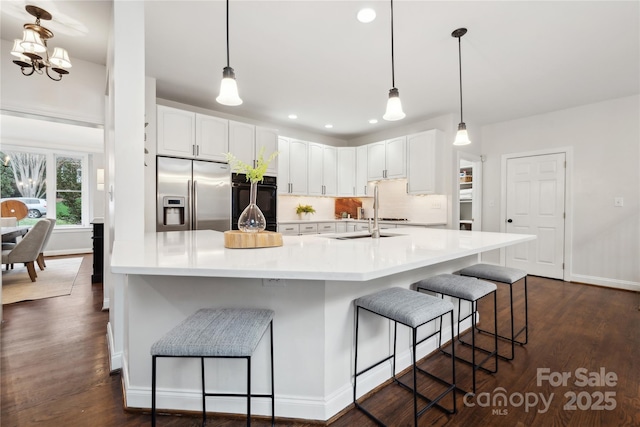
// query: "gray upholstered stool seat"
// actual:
[[494, 273], [217, 333], [469, 289], [509, 276], [412, 310]]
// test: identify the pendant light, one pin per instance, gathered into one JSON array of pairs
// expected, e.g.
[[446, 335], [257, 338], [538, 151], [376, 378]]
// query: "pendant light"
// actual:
[[462, 137], [228, 86], [394, 106]]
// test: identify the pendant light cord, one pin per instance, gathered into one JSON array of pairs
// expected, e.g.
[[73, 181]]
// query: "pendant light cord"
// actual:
[[460, 74], [393, 73], [228, 33]]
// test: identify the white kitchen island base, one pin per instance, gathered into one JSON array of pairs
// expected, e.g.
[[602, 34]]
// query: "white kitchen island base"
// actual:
[[313, 323]]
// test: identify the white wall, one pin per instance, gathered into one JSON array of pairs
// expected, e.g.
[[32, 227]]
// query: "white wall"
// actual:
[[605, 138]]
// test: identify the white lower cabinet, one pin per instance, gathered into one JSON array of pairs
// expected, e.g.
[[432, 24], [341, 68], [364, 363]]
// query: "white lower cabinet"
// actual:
[[341, 227], [326, 227], [309, 228], [289, 229]]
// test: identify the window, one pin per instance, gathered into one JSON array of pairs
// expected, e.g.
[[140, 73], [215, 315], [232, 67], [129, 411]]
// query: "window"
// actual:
[[50, 184]]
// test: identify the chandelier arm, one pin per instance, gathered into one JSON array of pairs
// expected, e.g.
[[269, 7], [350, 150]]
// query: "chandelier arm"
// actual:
[[49, 75], [33, 69]]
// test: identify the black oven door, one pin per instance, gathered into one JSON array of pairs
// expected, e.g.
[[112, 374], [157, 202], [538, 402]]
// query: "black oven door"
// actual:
[[266, 199]]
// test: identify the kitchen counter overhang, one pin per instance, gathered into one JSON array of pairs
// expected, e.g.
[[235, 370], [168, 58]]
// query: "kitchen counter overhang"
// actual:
[[307, 257]]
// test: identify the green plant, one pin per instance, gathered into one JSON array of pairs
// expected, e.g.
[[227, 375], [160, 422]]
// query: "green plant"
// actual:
[[254, 174], [305, 209]]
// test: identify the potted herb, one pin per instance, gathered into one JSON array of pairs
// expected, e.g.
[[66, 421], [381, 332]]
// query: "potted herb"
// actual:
[[305, 211]]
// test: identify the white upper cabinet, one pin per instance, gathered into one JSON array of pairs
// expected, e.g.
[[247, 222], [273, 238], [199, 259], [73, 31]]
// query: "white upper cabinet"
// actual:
[[387, 159], [246, 141], [268, 138], [176, 132], [346, 176], [212, 138], [396, 157], [330, 170], [292, 166], [361, 171], [242, 141], [425, 162], [322, 170], [190, 135]]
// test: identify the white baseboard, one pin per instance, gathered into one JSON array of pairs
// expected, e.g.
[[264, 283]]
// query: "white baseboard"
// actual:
[[609, 283], [115, 358]]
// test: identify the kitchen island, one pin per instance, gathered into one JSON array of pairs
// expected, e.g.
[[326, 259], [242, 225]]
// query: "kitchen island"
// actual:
[[310, 282]]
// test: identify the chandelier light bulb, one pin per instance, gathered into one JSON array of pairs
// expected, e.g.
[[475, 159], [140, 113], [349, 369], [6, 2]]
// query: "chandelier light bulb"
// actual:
[[229, 89], [394, 106]]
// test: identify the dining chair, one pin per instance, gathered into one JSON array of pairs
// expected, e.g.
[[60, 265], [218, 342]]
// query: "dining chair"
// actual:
[[28, 249], [40, 260]]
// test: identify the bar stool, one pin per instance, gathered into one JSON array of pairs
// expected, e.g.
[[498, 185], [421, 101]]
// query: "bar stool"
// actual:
[[471, 290], [509, 276], [412, 310], [217, 333]]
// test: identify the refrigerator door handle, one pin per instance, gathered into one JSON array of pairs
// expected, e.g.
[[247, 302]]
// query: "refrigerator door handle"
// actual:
[[195, 205], [189, 203]]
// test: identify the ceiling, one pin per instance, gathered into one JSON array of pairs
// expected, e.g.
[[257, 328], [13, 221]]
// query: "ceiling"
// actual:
[[315, 60]]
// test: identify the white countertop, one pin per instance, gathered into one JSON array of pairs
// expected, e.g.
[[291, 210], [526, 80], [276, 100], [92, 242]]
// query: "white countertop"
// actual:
[[336, 220], [311, 257]]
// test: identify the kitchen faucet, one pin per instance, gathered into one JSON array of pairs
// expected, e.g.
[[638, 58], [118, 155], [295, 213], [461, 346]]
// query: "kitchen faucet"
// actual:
[[375, 232]]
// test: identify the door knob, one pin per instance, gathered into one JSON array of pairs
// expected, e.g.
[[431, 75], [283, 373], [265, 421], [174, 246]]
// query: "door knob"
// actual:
[[509, 220]]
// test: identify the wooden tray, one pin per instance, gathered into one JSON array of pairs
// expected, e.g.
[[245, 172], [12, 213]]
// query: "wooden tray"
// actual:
[[236, 239]]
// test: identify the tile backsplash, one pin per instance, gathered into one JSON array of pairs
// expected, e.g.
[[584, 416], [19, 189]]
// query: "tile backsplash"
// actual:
[[394, 203]]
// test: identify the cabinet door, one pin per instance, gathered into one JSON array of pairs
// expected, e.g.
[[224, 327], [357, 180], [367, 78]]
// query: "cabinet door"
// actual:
[[315, 183], [268, 138], [298, 167], [346, 171], [283, 166], [176, 132], [212, 138], [361, 171], [425, 162], [329, 170], [242, 141], [376, 161], [396, 157], [289, 229]]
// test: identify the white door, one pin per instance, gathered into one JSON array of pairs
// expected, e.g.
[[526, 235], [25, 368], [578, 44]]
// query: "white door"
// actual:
[[536, 205]]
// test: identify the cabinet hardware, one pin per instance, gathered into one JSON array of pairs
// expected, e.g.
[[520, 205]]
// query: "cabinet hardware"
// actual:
[[197, 150], [193, 150]]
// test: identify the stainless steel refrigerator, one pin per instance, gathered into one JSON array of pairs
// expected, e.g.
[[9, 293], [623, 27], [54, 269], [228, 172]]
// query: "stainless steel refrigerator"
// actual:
[[193, 195]]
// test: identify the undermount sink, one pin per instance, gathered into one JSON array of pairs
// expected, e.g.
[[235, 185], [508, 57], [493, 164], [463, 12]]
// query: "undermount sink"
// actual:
[[359, 236]]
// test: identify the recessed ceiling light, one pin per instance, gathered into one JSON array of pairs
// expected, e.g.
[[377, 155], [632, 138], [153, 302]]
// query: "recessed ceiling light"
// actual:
[[366, 15], [328, 125], [293, 116], [373, 121]]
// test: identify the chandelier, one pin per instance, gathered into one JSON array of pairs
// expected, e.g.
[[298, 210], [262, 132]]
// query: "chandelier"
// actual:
[[32, 52]]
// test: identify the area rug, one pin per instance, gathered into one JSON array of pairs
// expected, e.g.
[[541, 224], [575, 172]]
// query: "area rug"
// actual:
[[56, 280]]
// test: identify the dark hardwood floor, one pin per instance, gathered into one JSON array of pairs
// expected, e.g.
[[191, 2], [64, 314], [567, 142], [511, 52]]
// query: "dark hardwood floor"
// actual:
[[54, 367]]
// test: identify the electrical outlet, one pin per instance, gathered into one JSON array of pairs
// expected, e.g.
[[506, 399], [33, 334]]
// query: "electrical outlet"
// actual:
[[274, 283], [618, 201]]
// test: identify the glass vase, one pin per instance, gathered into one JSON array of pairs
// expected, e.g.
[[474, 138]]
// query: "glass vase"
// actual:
[[251, 219]]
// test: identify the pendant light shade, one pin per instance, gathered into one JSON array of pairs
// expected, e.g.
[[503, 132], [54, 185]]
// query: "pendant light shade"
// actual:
[[31, 42], [228, 86], [462, 137], [394, 105], [229, 89]]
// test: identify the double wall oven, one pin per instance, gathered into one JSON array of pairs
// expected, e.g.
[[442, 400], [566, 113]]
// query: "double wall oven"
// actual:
[[267, 199]]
